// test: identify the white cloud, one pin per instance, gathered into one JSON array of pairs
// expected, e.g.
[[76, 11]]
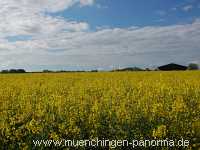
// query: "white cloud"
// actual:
[[43, 5], [27, 17], [56, 41], [99, 6], [187, 8], [86, 2]]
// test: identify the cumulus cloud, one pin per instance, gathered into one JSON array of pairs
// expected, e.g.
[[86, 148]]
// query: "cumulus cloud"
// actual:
[[43, 5], [27, 17], [56, 41]]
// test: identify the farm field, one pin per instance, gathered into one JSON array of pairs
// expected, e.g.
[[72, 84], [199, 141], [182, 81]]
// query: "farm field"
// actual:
[[107, 105]]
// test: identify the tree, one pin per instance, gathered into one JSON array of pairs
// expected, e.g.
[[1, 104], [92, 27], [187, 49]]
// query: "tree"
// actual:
[[147, 69], [193, 66], [47, 71], [94, 70], [21, 71], [130, 69], [5, 71], [14, 71]]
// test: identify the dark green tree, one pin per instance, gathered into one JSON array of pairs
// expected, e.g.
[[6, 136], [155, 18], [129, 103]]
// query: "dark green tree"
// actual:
[[193, 66]]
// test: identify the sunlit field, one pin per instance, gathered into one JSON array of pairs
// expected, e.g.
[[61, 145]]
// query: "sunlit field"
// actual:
[[110, 105]]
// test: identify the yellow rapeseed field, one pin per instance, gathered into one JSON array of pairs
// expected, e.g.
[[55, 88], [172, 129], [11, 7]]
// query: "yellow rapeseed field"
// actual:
[[109, 105]]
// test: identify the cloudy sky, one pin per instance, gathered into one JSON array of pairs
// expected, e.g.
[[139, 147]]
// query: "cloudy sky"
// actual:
[[98, 34]]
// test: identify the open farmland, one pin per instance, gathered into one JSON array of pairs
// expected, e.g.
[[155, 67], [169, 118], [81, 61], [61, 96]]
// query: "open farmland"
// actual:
[[117, 105]]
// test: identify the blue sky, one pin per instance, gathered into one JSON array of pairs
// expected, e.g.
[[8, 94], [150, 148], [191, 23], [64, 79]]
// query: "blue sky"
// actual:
[[126, 13], [98, 34]]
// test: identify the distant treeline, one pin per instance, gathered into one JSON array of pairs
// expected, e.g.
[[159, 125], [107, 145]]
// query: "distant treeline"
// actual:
[[129, 69], [44, 71], [60, 71], [171, 66], [14, 71]]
